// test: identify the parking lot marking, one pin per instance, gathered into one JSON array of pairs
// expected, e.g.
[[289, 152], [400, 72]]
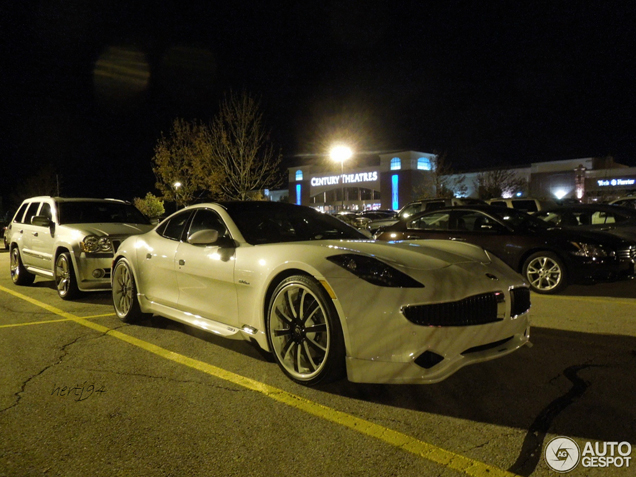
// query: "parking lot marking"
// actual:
[[394, 438], [589, 299], [12, 325]]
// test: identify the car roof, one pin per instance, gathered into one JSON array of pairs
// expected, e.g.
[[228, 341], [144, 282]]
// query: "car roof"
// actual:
[[73, 199], [582, 207]]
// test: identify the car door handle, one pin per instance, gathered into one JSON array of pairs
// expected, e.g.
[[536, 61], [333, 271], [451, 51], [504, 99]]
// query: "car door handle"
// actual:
[[457, 239], [35, 234], [181, 262], [148, 256]]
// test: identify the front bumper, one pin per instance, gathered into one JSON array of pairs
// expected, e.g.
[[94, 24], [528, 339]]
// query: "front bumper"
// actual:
[[94, 271], [383, 346], [585, 270]]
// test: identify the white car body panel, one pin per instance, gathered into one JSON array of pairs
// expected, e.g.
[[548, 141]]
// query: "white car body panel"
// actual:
[[225, 291]]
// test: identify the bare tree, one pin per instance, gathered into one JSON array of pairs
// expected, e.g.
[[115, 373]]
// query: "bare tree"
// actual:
[[444, 183], [498, 183], [242, 158]]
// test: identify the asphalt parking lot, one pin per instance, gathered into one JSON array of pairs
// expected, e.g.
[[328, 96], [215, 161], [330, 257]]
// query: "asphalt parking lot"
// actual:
[[83, 394]]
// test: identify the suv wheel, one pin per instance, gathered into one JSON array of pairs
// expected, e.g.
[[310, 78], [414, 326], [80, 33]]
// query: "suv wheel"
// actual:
[[19, 274], [65, 280]]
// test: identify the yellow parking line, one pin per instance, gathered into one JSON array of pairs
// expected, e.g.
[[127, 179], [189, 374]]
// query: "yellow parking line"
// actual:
[[397, 439], [13, 325], [589, 299]]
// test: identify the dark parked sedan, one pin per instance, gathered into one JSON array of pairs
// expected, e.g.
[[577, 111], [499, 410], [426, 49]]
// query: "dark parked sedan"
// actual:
[[620, 221], [548, 258]]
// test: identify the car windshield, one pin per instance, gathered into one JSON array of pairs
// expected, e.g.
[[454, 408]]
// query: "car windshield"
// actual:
[[519, 220], [266, 222], [92, 212]]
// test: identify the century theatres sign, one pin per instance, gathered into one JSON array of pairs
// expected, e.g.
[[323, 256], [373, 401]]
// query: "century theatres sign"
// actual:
[[345, 179]]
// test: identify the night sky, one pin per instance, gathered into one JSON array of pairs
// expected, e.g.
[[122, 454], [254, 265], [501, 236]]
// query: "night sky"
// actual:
[[90, 85]]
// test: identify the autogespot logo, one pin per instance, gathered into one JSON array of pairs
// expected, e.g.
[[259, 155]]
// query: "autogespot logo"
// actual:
[[562, 454]]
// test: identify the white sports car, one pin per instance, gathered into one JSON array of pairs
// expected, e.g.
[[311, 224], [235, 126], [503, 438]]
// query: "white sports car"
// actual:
[[321, 297]]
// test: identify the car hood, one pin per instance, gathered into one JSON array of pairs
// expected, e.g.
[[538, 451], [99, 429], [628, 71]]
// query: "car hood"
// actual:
[[591, 236], [420, 255], [111, 229]]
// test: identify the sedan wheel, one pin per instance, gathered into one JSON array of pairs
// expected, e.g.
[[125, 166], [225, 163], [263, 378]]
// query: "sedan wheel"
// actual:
[[545, 272], [125, 293], [19, 274], [304, 332], [65, 281]]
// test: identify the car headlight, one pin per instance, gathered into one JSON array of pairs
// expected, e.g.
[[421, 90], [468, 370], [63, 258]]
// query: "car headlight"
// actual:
[[588, 250], [95, 244], [374, 271]]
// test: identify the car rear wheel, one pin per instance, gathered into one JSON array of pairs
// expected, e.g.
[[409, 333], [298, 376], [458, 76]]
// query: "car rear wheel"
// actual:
[[65, 280], [304, 332], [19, 274], [545, 272], [124, 293]]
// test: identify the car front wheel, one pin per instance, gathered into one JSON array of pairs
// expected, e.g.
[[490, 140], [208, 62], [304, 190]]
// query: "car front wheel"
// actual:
[[19, 273], [65, 280], [304, 332], [545, 272], [124, 293]]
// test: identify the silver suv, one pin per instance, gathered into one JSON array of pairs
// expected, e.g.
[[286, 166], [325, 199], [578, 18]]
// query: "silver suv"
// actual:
[[70, 240]]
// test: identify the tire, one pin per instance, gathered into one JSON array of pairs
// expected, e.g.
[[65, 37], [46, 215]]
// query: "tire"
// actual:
[[65, 278], [124, 293], [19, 274], [304, 332], [545, 272]]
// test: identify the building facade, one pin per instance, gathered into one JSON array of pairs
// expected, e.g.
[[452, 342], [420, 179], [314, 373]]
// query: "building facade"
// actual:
[[392, 180]]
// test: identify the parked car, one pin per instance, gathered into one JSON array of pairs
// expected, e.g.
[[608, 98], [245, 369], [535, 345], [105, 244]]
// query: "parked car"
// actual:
[[629, 201], [524, 204], [548, 258], [319, 296], [69, 240], [620, 221], [419, 206], [3, 231]]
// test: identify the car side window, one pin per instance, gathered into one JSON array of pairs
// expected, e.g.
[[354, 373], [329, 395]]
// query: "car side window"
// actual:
[[174, 227], [45, 211], [477, 222], [410, 210], [19, 216], [207, 219], [602, 218], [31, 212], [439, 204], [435, 221], [525, 205]]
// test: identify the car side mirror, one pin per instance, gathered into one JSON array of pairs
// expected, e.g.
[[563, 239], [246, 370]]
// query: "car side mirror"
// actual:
[[41, 221], [204, 237]]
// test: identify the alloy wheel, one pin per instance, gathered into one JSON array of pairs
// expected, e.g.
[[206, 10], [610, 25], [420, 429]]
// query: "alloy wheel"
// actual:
[[299, 331]]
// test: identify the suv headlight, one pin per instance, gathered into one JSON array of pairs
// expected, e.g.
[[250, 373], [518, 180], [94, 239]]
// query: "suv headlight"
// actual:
[[589, 250], [374, 271], [95, 244]]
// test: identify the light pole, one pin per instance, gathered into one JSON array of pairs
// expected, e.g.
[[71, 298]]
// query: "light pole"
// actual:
[[340, 154], [176, 186]]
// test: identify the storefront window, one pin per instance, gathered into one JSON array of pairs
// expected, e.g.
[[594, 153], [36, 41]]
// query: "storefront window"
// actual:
[[424, 164], [396, 164]]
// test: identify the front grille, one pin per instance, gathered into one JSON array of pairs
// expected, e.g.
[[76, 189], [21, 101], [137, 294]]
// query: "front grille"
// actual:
[[628, 253], [520, 298], [474, 310]]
